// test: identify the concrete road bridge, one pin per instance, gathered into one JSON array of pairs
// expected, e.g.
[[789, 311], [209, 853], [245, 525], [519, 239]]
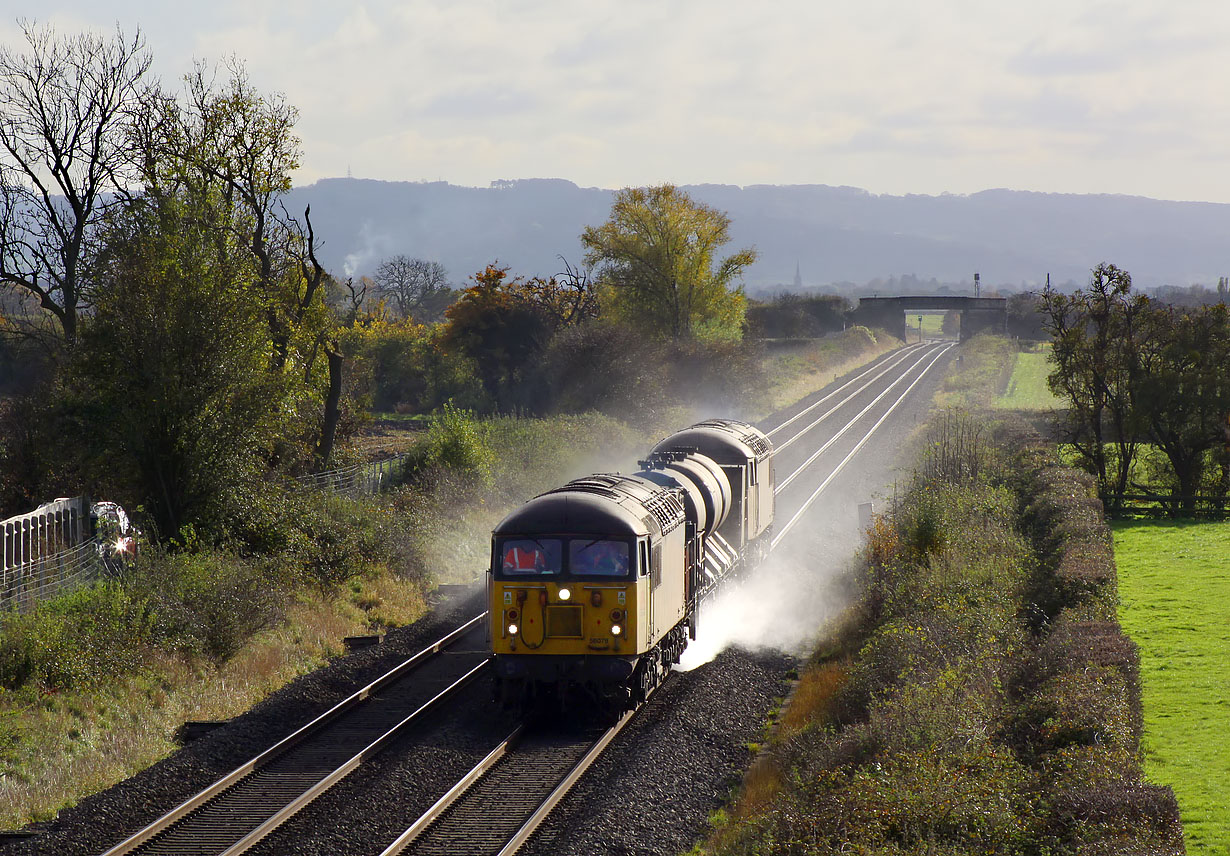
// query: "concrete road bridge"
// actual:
[[977, 313]]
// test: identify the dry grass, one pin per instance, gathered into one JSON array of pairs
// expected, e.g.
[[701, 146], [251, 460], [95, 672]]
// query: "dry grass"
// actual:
[[74, 744], [813, 697], [761, 784], [799, 372]]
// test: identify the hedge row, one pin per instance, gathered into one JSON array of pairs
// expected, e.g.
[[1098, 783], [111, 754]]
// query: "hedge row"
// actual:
[[1080, 719], [981, 697]]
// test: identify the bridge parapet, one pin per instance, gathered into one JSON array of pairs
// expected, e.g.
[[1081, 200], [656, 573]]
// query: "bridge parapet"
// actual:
[[977, 313]]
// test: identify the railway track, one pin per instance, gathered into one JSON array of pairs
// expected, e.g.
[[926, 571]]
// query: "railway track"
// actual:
[[515, 786], [239, 810], [498, 805], [909, 367]]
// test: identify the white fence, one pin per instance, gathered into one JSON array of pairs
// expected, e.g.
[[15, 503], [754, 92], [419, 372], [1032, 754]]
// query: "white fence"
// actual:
[[45, 552]]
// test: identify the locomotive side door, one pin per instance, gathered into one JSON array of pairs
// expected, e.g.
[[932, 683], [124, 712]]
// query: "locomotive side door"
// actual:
[[752, 518], [647, 575]]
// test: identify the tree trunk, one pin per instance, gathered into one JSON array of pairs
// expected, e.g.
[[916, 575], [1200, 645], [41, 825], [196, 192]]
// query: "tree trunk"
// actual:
[[332, 406]]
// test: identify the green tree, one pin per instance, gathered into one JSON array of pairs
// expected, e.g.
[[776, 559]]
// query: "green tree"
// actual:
[[169, 384], [1183, 391], [1095, 349], [234, 148], [657, 258]]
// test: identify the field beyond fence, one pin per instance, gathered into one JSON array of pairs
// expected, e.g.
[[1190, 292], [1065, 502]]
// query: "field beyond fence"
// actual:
[[1027, 389], [1174, 588]]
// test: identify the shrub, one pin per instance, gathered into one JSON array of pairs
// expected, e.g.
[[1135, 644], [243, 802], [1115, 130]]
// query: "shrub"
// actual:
[[209, 603], [457, 442], [77, 640], [993, 704], [1124, 817], [1090, 706], [606, 367], [617, 370], [895, 804]]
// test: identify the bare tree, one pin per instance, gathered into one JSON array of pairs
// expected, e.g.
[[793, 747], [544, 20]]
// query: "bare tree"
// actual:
[[416, 287], [574, 295], [64, 155]]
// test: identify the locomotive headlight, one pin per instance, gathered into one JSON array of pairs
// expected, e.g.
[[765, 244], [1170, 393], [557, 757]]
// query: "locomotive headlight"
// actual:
[[564, 594], [512, 630], [616, 630]]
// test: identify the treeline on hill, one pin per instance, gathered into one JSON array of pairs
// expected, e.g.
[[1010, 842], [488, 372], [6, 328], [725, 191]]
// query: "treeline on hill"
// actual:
[[1147, 391], [981, 696]]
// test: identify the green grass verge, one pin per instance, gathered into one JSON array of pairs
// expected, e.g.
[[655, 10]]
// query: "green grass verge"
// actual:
[[1174, 588], [1027, 389]]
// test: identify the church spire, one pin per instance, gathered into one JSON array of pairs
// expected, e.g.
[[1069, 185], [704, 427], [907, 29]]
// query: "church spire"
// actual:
[[798, 276]]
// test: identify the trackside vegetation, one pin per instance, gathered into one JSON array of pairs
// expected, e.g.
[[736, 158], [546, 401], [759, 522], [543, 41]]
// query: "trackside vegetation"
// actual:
[[980, 697], [94, 684]]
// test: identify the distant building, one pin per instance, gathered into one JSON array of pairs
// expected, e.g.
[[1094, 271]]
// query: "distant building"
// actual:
[[798, 278]]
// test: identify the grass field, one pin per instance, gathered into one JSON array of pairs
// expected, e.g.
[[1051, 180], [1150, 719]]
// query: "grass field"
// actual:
[[1027, 388], [1174, 588], [932, 324]]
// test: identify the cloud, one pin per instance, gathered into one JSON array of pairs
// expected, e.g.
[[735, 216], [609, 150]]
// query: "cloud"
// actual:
[[479, 105], [884, 94]]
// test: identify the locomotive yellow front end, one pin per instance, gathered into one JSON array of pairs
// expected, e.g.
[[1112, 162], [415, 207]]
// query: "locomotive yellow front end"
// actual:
[[577, 592], [539, 614]]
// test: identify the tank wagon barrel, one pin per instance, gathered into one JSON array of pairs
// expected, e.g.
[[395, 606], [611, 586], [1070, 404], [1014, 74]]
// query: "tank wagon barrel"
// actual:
[[597, 584]]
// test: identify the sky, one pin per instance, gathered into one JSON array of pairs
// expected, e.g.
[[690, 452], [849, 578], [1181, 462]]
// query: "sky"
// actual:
[[893, 96]]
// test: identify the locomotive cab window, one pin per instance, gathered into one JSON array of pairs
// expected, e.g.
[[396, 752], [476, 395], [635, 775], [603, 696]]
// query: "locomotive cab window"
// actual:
[[530, 557], [599, 558]]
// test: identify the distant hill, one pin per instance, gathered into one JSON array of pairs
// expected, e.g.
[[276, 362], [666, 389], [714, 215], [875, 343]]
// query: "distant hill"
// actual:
[[834, 234]]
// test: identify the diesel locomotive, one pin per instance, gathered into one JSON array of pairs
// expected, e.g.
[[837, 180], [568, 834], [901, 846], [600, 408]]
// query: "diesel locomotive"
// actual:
[[596, 586]]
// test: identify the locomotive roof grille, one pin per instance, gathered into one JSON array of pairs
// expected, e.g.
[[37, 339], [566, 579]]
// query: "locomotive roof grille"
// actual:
[[757, 442], [667, 508], [665, 505]]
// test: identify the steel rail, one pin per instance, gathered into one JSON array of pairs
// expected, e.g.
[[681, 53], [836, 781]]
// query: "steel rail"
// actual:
[[898, 356], [535, 817], [348, 766], [227, 782], [782, 485], [454, 793], [561, 790], [845, 401], [862, 442]]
